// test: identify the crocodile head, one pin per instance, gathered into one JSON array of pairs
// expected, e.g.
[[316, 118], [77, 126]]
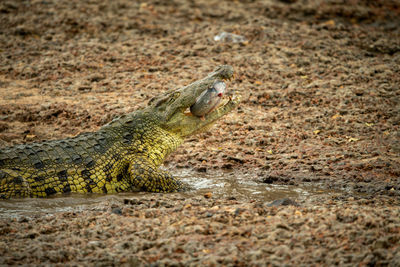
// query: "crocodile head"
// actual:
[[172, 105]]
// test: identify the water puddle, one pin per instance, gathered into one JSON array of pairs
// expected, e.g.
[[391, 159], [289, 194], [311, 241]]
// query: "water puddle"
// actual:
[[14, 208], [220, 184], [245, 187]]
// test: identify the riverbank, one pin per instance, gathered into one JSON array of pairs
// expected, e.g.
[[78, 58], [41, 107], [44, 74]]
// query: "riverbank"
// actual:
[[319, 82]]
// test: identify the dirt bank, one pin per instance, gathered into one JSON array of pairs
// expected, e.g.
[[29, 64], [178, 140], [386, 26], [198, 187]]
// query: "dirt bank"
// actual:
[[320, 87]]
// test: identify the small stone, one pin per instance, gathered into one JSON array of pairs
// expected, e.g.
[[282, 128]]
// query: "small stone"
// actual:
[[117, 210], [283, 202], [208, 195], [95, 77], [199, 47]]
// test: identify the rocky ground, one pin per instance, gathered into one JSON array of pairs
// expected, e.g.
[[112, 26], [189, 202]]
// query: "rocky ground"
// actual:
[[320, 87]]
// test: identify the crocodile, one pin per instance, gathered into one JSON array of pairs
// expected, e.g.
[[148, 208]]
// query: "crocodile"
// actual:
[[124, 155]]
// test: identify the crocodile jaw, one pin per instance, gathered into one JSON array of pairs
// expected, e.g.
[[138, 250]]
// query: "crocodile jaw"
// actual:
[[172, 105], [185, 125]]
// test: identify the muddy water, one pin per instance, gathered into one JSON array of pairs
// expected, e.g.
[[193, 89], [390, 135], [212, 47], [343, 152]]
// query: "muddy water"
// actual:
[[220, 184], [245, 187]]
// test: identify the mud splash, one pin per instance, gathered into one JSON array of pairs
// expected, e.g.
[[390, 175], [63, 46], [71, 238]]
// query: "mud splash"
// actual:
[[220, 184]]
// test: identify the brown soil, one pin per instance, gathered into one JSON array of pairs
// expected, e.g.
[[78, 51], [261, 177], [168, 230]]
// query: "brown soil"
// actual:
[[320, 87]]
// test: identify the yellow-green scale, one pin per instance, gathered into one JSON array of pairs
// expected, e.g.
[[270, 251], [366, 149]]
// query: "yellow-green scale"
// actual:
[[122, 156]]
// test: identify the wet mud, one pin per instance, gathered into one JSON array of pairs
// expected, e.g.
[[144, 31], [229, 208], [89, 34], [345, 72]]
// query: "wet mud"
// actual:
[[227, 185], [305, 171]]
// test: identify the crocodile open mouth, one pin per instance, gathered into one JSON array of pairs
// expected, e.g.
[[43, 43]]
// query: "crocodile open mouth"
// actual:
[[228, 103], [173, 107], [225, 98], [229, 98]]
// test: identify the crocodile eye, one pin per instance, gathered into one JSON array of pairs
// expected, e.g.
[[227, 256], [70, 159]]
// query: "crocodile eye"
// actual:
[[176, 95]]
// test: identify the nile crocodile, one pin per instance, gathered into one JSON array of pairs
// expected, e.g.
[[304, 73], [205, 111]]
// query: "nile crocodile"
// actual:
[[124, 155]]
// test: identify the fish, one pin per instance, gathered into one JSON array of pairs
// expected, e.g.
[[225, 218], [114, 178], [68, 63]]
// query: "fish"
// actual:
[[208, 100]]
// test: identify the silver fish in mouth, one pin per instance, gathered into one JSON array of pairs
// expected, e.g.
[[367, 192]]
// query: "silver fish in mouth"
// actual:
[[209, 99]]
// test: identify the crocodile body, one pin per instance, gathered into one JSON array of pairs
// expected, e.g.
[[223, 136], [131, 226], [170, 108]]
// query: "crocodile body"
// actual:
[[124, 155]]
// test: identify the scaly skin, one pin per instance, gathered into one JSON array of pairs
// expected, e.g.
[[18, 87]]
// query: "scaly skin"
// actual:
[[123, 155]]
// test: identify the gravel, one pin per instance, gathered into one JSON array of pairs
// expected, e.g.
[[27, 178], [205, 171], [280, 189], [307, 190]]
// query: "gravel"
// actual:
[[320, 87]]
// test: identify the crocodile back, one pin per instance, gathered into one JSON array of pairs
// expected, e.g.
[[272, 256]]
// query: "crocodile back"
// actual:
[[95, 162], [43, 169]]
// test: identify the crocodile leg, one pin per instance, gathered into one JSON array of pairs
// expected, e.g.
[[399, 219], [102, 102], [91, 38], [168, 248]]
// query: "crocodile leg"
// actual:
[[146, 177]]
